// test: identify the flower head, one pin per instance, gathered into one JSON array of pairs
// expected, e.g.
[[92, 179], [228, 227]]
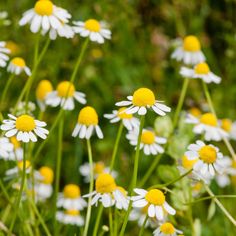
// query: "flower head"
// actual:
[[166, 229], [17, 65], [4, 51], [71, 217], [6, 148]]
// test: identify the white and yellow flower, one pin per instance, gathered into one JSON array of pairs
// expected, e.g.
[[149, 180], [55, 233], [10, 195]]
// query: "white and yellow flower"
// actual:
[[70, 217], [4, 51], [155, 200], [6, 148], [167, 229], [93, 29], [190, 51], [25, 128], [87, 123], [200, 71], [143, 99], [64, 96], [18, 152], [17, 65], [150, 143], [229, 127], [16, 171]]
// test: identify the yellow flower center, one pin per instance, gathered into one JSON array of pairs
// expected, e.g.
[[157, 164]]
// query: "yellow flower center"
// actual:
[[47, 174], [99, 168], [188, 164], [25, 123], [44, 8], [105, 183], [198, 186], [155, 196], [167, 228], [44, 87], [65, 89], [208, 154], [195, 111], [15, 142], [72, 212], [191, 43], [18, 61], [226, 124], [208, 119], [21, 163], [148, 137], [144, 210], [123, 115], [14, 48], [143, 97], [92, 25], [202, 68], [71, 191], [88, 116]]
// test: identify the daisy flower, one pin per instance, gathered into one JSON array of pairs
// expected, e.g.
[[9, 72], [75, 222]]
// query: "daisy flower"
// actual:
[[71, 198], [194, 111], [15, 172], [209, 159], [149, 141], [45, 16], [70, 217], [142, 99], [98, 168], [87, 122], [121, 198], [189, 52], [128, 120], [3, 54], [6, 148], [17, 65], [229, 127], [208, 125], [25, 128], [156, 201], [167, 229], [200, 71], [43, 89], [93, 29], [64, 96]]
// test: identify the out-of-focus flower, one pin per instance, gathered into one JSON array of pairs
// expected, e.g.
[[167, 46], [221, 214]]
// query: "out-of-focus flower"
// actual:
[[167, 229], [70, 217], [17, 65], [4, 51]]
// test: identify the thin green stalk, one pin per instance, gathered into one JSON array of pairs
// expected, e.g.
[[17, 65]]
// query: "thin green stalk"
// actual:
[[115, 222], [143, 226], [180, 102], [116, 146], [90, 157], [5, 193], [98, 218], [210, 197], [4, 93], [110, 222]]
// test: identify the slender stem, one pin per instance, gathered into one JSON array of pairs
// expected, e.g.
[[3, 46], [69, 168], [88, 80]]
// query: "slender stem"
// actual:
[[85, 233], [116, 146], [210, 197], [110, 222], [180, 102], [219, 204], [143, 226], [98, 218], [4, 93], [5, 193], [115, 222]]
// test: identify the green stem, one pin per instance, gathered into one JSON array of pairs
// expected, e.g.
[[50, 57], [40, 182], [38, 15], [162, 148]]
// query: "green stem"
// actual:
[[116, 146], [85, 233], [143, 226], [110, 222], [4, 93], [115, 222], [98, 218], [210, 197]]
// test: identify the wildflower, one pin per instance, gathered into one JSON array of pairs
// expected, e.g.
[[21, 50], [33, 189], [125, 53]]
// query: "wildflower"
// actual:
[[87, 122], [200, 71], [121, 198], [17, 65], [149, 141], [15, 172], [25, 128], [167, 229], [71, 198], [64, 96], [190, 51], [229, 127], [155, 199], [5, 148], [93, 29], [71, 217], [3, 54], [142, 99], [17, 153], [195, 111]]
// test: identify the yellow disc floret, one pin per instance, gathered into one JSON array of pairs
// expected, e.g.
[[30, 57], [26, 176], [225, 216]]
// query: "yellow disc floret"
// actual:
[[88, 116], [143, 97], [15, 142], [47, 174], [155, 196], [123, 115], [21, 163], [98, 168], [208, 119], [188, 164], [226, 124], [148, 137], [25, 123], [18, 61], [202, 69], [92, 25], [43, 8], [191, 43], [65, 89], [44, 87], [105, 183], [167, 228], [71, 191], [72, 212], [195, 111], [208, 154]]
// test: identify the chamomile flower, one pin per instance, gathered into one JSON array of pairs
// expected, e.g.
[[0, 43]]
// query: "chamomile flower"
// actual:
[[16, 171], [4, 51], [70, 217], [25, 128], [71, 198], [190, 51], [18, 152], [200, 71], [167, 229], [155, 200], [93, 29], [208, 125], [142, 99], [6, 148], [87, 122], [64, 96], [121, 198], [45, 16], [208, 158], [17, 65], [150, 143], [229, 127], [128, 120]]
